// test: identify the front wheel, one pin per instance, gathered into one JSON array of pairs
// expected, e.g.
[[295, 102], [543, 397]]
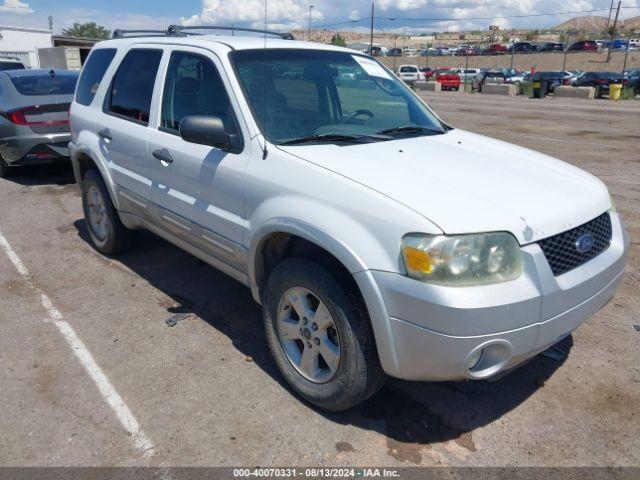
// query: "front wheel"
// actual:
[[108, 235], [320, 337]]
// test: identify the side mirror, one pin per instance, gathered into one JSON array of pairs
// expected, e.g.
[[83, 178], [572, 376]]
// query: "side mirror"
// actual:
[[205, 130]]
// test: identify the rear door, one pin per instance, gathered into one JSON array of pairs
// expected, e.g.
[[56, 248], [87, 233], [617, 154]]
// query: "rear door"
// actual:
[[122, 127], [198, 189]]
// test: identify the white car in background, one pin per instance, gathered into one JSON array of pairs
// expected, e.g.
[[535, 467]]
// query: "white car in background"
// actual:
[[467, 75], [410, 52], [409, 74]]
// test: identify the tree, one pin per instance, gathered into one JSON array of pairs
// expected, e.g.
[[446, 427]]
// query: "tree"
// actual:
[[87, 30], [338, 40]]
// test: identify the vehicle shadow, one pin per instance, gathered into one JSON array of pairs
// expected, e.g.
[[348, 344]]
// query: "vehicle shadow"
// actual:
[[60, 173], [412, 415]]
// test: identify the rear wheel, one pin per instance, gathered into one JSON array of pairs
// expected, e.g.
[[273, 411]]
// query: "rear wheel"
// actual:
[[320, 337], [108, 234]]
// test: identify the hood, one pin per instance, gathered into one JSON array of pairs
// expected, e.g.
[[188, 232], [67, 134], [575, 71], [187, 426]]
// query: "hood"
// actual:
[[468, 183]]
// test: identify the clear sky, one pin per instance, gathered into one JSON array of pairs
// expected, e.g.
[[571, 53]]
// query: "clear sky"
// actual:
[[288, 14]]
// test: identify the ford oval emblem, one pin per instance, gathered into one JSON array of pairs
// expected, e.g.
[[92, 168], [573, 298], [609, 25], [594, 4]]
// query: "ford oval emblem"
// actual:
[[584, 243]]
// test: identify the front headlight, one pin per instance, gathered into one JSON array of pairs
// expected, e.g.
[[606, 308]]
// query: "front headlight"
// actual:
[[462, 260]]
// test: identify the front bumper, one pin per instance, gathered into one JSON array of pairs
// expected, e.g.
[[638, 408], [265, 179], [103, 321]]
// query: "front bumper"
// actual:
[[35, 148], [432, 332]]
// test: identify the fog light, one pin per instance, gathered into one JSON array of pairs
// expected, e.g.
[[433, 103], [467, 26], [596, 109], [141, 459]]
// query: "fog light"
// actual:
[[474, 359]]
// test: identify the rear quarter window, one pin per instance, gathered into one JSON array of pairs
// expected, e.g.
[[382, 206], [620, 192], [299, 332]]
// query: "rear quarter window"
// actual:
[[92, 74], [132, 86]]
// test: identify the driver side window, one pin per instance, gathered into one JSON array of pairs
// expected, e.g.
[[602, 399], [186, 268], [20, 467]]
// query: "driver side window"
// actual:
[[383, 104], [193, 87]]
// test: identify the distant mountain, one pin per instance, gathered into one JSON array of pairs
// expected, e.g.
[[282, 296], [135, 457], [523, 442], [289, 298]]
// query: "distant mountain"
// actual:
[[632, 23], [588, 24]]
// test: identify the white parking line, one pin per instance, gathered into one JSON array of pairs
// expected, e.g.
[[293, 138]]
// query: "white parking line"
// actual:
[[107, 390]]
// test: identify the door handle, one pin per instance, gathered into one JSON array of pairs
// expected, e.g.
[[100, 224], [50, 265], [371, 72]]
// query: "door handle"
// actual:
[[163, 155], [106, 134]]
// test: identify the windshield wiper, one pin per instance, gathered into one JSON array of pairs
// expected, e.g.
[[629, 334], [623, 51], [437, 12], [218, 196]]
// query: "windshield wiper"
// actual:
[[331, 137], [410, 129]]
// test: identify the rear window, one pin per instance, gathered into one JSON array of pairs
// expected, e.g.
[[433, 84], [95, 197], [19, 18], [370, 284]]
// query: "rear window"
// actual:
[[46, 83], [11, 66], [92, 73], [408, 69]]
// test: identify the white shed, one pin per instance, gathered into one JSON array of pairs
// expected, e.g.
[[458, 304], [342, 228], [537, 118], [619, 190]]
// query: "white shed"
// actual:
[[23, 43]]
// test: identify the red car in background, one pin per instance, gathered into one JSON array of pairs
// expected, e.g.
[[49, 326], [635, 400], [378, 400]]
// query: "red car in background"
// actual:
[[427, 72], [447, 79], [584, 46], [495, 49]]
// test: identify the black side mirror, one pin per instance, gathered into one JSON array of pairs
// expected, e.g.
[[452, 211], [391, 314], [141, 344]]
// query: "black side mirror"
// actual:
[[206, 130]]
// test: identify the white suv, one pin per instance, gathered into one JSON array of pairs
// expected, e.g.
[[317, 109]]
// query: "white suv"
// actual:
[[409, 74], [379, 240]]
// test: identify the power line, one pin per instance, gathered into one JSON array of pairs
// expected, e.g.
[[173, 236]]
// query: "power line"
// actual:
[[451, 19], [341, 23], [496, 17]]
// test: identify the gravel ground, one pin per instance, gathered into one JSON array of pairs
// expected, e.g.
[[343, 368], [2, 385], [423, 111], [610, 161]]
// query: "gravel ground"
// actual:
[[206, 393]]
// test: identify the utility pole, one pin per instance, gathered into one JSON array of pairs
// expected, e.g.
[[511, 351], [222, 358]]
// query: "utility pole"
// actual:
[[626, 53], [309, 35], [613, 31], [570, 33], [513, 51], [426, 65], [610, 11], [373, 12], [466, 75]]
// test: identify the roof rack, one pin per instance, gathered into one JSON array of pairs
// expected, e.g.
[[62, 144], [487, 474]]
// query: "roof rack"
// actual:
[[186, 30], [137, 33]]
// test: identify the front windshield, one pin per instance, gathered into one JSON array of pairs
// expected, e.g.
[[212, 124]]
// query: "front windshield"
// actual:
[[300, 93]]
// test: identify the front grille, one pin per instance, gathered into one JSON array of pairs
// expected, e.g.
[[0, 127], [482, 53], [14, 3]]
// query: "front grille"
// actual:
[[562, 252]]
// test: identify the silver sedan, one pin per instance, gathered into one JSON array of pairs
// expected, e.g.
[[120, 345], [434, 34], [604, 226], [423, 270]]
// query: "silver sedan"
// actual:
[[34, 116]]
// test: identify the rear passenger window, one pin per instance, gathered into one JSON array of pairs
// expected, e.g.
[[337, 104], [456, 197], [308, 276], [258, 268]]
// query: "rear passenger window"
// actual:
[[92, 73], [193, 87], [132, 86]]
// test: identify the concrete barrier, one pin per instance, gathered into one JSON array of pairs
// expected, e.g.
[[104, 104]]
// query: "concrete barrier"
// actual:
[[428, 86], [500, 89], [575, 92]]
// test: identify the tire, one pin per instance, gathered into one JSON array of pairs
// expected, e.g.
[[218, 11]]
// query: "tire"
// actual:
[[107, 233], [358, 374], [5, 170]]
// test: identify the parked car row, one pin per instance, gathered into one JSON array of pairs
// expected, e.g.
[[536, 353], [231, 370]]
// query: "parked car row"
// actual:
[[453, 78], [517, 48]]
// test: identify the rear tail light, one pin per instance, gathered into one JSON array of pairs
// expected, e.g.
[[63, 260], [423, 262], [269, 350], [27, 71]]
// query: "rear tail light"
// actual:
[[565, 82], [20, 116], [603, 81]]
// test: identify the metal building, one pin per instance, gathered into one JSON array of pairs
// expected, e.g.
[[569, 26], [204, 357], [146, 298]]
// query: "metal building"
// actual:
[[23, 43]]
